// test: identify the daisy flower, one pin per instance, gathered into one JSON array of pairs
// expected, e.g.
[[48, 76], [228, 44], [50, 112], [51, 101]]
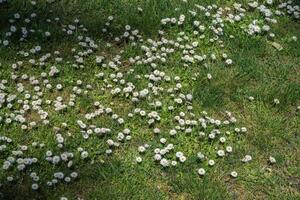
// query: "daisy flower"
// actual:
[[272, 160], [233, 174], [201, 172]]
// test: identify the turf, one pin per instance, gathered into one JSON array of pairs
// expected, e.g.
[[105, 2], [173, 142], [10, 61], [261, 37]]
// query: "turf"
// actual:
[[259, 70]]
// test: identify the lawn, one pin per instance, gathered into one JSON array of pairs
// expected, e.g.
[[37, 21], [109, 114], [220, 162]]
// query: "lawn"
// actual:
[[149, 99]]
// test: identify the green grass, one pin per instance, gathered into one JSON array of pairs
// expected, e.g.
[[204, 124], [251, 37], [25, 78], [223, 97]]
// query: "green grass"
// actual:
[[259, 70]]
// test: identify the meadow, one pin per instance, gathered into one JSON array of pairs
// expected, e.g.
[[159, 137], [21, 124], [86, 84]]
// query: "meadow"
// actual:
[[149, 99]]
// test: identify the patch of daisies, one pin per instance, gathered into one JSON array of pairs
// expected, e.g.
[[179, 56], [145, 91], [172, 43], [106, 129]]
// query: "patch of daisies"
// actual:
[[31, 101]]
